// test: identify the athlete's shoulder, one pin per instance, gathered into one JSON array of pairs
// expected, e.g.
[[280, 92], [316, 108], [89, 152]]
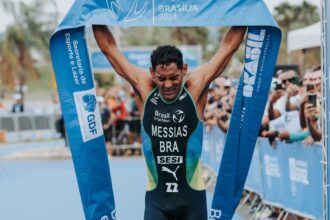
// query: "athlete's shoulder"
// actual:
[[145, 86]]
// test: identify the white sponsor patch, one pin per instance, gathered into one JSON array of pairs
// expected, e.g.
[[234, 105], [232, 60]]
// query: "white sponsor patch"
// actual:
[[272, 166], [172, 187], [88, 114], [298, 171], [254, 45], [169, 159]]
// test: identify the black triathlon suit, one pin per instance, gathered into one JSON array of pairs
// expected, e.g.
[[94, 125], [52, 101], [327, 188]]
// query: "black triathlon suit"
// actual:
[[172, 136]]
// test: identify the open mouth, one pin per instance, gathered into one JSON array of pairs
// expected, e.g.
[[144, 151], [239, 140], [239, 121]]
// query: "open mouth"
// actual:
[[169, 91]]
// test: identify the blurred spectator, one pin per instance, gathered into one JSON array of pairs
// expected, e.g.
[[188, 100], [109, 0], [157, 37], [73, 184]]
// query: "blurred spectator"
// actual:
[[18, 105], [283, 107], [312, 112], [220, 103], [120, 115], [60, 128], [134, 124], [119, 110], [106, 123], [2, 105]]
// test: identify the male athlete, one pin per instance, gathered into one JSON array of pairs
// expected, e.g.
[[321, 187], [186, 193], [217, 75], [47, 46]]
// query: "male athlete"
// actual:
[[171, 106]]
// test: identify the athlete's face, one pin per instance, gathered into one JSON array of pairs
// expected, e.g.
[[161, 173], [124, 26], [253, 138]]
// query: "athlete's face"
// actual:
[[168, 79]]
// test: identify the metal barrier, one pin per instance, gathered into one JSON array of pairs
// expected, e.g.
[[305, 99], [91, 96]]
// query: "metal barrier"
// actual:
[[28, 127], [288, 177], [126, 136]]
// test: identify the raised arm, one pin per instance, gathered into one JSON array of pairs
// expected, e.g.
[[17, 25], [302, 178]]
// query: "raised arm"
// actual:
[[107, 44], [203, 76]]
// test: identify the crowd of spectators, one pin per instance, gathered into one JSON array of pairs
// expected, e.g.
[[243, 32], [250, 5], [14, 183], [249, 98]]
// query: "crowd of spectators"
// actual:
[[292, 112], [121, 121]]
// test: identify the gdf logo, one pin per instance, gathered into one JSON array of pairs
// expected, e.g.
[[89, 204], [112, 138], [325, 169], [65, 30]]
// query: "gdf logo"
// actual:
[[90, 105], [88, 114], [89, 102], [178, 116]]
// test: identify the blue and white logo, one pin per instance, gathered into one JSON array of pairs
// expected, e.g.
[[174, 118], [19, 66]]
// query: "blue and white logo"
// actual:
[[135, 12], [88, 114], [89, 102]]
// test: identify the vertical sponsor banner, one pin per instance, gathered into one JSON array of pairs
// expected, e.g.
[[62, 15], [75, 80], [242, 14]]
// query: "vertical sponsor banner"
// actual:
[[83, 123], [262, 45]]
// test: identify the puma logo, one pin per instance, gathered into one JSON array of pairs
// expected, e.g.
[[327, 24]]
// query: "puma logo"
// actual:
[[165, 169]]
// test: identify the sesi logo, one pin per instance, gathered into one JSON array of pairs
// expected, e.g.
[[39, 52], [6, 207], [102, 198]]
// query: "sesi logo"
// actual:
[[254, 44], [88, 114]]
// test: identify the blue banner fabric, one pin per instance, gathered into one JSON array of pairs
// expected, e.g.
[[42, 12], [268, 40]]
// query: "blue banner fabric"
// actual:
[[292, 177], [76, 90], [302, 179], [251, 97], [273, 183], [253, 181], [83, 123], [289, 176]]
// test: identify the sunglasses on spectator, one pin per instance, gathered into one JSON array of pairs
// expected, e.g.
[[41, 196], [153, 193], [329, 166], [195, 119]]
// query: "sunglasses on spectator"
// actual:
[[287, 80]]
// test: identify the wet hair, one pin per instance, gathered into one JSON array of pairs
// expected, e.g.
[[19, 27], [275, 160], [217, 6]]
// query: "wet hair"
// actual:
[[165, 55]]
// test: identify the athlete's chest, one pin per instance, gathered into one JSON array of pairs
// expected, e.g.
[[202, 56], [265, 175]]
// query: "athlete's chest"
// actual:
[[170, 120]]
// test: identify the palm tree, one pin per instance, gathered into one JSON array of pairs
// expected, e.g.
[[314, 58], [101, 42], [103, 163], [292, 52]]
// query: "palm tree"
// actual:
[[290, 17], [32, 29]]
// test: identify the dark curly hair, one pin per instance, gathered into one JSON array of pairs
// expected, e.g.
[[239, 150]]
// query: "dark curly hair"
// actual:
[[165, 55]]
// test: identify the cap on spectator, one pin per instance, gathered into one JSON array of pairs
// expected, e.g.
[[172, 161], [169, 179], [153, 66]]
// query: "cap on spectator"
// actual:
[[100, 99], [228, 83], [17, 96], [122, 95], [275, 82], [213, 85]]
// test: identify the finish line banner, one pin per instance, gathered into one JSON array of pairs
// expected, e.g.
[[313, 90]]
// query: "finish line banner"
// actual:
[[74, 78]]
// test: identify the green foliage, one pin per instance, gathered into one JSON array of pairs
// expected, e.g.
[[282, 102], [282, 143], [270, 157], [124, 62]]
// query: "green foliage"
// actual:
[[153, 36], [31, 30], [296, 16], [104, 80], [290, 17]]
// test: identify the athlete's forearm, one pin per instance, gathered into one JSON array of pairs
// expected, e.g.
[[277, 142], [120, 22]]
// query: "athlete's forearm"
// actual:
[[104, 38], [232, 40], [229, 45], [108, 46]]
